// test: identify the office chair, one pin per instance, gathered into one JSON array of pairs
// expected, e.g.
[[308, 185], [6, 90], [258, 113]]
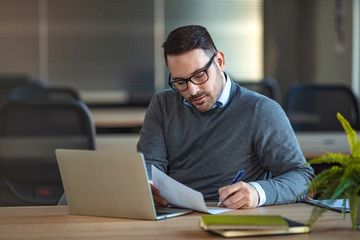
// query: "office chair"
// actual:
[[38, 90], [312, 107], [63, 93], [267, 86], [8, 83], [30, 131], [30, 90]]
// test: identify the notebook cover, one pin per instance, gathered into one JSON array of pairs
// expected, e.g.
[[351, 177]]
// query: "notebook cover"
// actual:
[[293, 228], [248, 222]]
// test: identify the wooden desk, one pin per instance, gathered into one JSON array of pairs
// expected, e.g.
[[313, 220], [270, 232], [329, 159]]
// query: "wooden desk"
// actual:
[[54, 222], [117, 142], [118, 117]]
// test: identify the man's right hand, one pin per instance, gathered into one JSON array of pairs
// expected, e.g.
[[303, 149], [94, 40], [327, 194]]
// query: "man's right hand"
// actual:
[[158, 200]]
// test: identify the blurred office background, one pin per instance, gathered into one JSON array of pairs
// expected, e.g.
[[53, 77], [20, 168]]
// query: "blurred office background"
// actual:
[[110, 50]]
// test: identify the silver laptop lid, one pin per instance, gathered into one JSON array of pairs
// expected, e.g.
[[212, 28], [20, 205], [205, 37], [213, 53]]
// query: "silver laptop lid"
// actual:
[[109, 184]]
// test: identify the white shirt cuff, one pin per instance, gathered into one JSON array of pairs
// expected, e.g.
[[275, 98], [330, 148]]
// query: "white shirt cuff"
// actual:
[[261, 192]]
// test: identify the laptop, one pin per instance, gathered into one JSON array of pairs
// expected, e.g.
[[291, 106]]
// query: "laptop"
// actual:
[[109, 184]]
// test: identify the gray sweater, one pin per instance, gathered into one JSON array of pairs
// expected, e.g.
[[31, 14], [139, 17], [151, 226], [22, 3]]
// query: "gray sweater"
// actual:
[[206, 150]]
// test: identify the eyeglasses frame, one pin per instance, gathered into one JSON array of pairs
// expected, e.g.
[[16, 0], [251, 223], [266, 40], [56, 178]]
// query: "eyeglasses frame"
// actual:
[[187, 80]]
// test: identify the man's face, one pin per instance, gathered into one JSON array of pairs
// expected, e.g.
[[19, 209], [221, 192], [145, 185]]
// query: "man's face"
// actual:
[[204, 96]]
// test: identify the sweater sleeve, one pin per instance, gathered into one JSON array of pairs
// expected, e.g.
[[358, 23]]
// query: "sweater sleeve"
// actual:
[[279, 152], [151, 142]]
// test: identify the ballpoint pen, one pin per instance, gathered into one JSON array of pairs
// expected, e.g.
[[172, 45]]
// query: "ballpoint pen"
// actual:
[[236, 179]]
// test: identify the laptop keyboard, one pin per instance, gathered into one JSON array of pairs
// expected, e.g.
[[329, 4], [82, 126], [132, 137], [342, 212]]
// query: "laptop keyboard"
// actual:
[[160, 211]]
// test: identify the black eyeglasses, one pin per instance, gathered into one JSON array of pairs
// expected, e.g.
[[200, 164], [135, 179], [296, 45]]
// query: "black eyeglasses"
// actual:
[[198, 78]]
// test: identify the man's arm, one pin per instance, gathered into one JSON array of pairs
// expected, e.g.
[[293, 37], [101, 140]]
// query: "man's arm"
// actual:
[[152, 145], [277, 148], [279, 152], [152, 141]]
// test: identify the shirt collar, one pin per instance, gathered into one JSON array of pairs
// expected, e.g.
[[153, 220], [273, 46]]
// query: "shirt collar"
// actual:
[[224, 95]]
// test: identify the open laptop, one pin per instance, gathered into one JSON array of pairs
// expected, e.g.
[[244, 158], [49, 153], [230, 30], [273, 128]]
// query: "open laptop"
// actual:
[[109, 184]]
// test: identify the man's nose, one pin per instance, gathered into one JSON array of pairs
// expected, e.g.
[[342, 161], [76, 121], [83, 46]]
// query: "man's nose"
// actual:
[[192, 88]]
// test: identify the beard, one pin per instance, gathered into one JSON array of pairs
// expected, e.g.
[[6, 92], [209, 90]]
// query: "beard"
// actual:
[[203, 101]]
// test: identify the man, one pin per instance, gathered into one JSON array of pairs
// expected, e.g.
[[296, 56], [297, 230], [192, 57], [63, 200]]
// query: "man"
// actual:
[[207, 128]]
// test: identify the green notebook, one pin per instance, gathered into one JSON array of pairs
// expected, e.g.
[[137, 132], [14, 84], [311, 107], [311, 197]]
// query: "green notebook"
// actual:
[[250, 225]]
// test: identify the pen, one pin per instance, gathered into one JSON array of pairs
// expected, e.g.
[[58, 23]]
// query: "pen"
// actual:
[[236, 179]]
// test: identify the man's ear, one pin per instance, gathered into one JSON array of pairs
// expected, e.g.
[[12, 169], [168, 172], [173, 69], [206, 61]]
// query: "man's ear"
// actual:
[[220, 60]]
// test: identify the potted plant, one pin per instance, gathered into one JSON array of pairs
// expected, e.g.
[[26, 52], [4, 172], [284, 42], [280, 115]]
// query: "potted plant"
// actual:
[[342, 180]]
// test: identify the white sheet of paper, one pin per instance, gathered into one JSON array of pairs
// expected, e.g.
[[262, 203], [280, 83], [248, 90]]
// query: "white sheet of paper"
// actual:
[[179, 195]]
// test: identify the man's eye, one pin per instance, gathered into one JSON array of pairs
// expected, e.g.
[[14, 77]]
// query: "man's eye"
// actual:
[[199, 75], [180, 82]]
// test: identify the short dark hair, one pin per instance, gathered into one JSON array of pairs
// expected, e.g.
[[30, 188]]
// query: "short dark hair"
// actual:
[[187, 38]]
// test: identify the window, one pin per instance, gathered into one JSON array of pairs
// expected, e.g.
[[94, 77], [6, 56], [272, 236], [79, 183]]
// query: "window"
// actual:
[[110, 50]]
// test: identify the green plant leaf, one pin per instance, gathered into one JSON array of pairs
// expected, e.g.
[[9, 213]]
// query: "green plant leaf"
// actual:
[[353, 199], [331, 158], [327, 179], [351, 134], [343, 186], [340, 181], [343, 210], [316, 213]]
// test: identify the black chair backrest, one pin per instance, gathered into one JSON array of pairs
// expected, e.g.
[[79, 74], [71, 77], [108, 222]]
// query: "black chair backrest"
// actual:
[[313, 107], [8, 83], [63, 93], [30, 131], [38, 90], [267, 86], [30, 90]]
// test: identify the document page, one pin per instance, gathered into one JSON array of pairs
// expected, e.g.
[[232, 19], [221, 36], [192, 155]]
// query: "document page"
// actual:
[[179, 195]]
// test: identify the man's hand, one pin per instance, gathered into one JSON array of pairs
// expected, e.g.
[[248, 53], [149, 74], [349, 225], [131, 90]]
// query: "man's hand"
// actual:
[[239, 195], [158, 200]]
